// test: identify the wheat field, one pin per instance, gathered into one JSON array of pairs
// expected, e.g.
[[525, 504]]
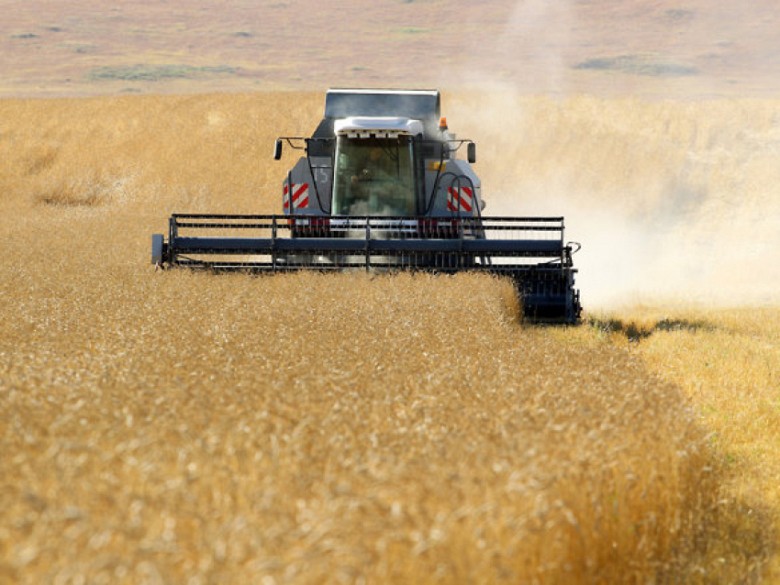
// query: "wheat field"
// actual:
[[177, 427]]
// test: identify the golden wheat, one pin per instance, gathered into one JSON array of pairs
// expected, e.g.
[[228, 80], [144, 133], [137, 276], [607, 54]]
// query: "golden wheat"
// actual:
[[182, 427]]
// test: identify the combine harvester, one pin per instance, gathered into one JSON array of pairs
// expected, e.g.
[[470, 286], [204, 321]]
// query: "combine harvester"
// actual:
[[381, 187]]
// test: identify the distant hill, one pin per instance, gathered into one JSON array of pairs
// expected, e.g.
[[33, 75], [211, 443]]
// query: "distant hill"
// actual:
[[658, 48]]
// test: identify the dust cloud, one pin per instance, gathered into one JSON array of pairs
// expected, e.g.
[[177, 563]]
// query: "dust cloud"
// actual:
[[672, 188], [671, 200]]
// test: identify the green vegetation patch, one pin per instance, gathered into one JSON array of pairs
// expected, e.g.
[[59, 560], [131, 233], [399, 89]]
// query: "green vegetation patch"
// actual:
[[679, 14], [82, 49], [156, 72], [413, 30], [638, 65]]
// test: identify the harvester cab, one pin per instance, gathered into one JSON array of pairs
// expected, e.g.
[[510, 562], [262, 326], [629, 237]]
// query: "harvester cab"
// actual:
[[383, 185], [360, 161], [374, 168]]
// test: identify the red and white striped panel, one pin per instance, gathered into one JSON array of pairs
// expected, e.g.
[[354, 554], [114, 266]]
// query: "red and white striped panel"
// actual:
[[460, 199], [300, 196]]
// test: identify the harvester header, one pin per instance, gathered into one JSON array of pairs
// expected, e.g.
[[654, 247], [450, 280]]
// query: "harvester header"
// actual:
[[382, 186]]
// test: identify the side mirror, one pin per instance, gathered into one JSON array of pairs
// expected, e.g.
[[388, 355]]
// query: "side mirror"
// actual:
[[278, 149], [471, 152]]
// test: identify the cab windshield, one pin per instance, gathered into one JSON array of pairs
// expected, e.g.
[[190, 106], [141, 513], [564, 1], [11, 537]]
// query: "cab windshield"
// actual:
[[374, 176]]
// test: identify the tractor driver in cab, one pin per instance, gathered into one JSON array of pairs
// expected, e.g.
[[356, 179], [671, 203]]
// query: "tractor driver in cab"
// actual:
[[374, 166], [377, 183]]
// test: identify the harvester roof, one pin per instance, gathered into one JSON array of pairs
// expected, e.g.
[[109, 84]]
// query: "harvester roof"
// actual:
[[423, 105]]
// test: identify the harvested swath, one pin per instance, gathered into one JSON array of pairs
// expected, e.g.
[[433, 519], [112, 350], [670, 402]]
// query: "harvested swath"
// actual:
[[726, 362]]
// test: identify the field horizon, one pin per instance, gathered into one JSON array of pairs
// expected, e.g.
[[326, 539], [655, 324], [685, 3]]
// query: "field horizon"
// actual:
[[653, 49]]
